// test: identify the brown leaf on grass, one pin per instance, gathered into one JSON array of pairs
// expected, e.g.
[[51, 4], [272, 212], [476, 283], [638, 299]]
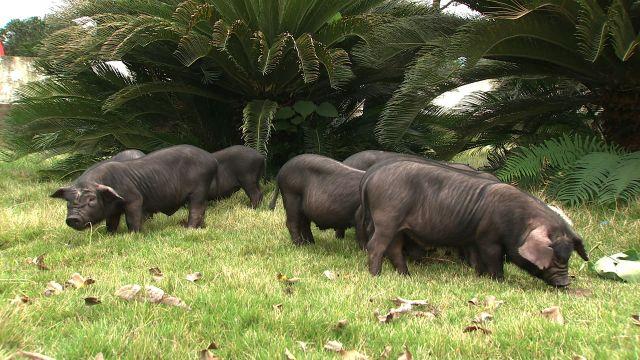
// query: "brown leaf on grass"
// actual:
[[153, 293], [39, 262], [406, 354], [205, 354], [288, 355], [578, 357], [473, 301], [341, 324], [635, 320], [194, 276], [404, 306], [174, 301], [425, 314], [34, 355], [386, 352], [491, 303], [352, 355], [482, 317], [77, 281], [128, 292], [92, 300], [303, 345], [53, 288], [20, 300], [156, 274], [99, 356], [287, 280], [333, 345], [277, 307], [337, 347], [553, 314], [330, 275], [400, 301], [472, 328], [578, 292], [213, 346]]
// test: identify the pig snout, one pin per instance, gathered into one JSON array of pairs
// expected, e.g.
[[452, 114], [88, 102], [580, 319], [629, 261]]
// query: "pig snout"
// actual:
[[75, 222], [557, 276]]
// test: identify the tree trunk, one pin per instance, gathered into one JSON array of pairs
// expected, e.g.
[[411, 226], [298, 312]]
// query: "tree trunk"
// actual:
[[620, 119]]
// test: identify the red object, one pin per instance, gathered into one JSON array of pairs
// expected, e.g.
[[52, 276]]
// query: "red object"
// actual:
[[1, 49]]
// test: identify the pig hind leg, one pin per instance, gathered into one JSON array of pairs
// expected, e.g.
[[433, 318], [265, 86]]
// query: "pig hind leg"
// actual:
[[396, 255], [384, 234], [251, 187], [293, 208], [197, 207], [305, 227]]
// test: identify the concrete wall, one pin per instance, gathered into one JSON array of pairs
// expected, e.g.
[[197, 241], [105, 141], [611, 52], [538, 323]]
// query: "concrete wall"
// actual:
[[14, 71]]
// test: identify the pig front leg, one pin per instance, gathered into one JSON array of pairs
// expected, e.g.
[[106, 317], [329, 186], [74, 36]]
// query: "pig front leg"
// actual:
[[490, 260], [134, 215], [113, 221], [197, 208]]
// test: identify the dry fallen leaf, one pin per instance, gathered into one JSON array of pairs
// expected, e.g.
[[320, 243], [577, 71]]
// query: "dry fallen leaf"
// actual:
[[553, 314], [578, 292], [341, 324], [156, 273], [400, 301], [303, 345], [205, 354], [635, 319], [92, 300], [277, 307], [99, 356], [425, 314], [77, 281], [473, 301], [288, 355], [491, 303], [352, 355], [483, 317], [174, 301], [386, 352], [285, 279], [153, 294], [128, 292], [213, 346], [53, 288], [39, 262], [333, 345], [330, 275], [20, 300], [34, 356], [404, 306], [472, 328], [578, 357], [194, 276], [406, 354]]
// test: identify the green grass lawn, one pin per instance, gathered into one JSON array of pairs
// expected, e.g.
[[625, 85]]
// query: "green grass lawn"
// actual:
[[240, 253]]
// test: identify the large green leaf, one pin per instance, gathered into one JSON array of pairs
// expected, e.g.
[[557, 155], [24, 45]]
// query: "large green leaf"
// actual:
[[623, 266], [257, 123]]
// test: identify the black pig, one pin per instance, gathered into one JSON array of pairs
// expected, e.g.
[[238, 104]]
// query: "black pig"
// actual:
[[162, 181], [437, 205], [319, 189], [238, 167]]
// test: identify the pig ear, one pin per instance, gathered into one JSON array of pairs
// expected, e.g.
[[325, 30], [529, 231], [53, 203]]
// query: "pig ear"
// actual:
[[536, 248], [578, 246], [108, 192], [62, 193]]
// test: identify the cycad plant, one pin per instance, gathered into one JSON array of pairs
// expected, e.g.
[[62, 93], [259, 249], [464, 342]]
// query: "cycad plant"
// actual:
[[577, 59], [578, 169], [254, 55]]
